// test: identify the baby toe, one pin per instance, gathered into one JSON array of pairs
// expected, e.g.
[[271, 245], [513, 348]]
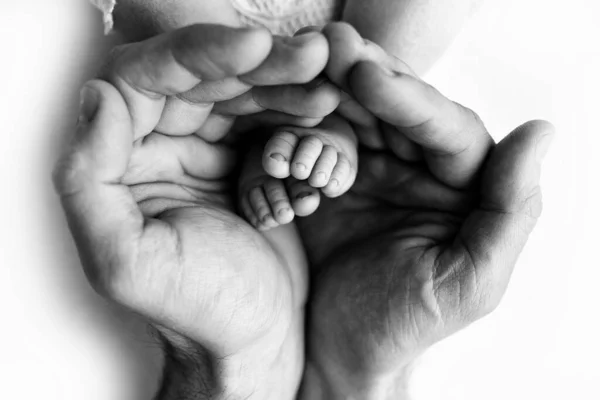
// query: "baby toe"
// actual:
[[323, 168], [261, 208], [305, 199], [341, 175], [248, 212], [278, 153], [279, 201], [308, 151]]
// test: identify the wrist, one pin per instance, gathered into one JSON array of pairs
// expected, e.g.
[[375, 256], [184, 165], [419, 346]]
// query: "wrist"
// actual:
[[334, 384], [188, 373], [191, 372]]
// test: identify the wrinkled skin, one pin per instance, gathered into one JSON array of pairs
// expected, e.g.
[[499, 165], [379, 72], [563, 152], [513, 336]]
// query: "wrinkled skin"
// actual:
[[149, 200], [422, 245], [425, 241]]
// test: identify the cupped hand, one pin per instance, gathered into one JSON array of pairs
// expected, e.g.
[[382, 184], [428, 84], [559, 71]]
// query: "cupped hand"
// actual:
[[146, 189], [425, 241]]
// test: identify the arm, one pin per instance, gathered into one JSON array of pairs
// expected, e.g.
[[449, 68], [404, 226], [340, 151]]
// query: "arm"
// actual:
[[188, 374], [242, 357], [416, 31]]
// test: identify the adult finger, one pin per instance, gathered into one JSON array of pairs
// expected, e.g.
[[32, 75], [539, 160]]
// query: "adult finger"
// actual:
[[181, 118], [175, 62], [103, 217], [186, 160], [406, 185], [313, 100], [365, 124], [278, 79], [454, 140], [482, 257], [347, 47], [263, 122], [297, 59]]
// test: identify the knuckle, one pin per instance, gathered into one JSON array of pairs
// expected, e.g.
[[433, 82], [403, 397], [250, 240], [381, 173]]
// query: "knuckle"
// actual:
[[472, 129], [471, 117]]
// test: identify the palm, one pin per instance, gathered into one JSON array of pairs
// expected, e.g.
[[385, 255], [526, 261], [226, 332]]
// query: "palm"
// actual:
[[209, 275], [376, 256], [227, 299]]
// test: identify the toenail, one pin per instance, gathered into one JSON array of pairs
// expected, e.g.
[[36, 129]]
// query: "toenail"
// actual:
[[301, 167], [278, 157], [303, 195], [283, 211], [322, 176], [334, 182]]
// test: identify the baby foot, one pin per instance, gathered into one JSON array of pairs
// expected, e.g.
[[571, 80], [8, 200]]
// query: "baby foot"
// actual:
[[325, 156], [268, 202]]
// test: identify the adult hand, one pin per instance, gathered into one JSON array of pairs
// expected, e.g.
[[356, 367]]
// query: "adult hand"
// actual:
[[425, 241], [150, 207]]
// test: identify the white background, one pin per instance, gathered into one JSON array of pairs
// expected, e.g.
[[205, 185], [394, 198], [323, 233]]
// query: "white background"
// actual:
[[517, 60]]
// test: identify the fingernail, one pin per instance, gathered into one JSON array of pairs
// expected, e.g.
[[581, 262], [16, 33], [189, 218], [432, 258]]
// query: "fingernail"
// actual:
[[88, 104], [334, 183], [543, 146], [307, 29]]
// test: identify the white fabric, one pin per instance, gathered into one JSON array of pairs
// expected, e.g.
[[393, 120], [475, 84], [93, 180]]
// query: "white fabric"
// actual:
[[285, 17], [107, 7], [281, 17]]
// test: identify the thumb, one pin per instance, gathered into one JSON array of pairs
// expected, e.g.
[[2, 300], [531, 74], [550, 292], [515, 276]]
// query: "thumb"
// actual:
[[103, 217], [492, 237]]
